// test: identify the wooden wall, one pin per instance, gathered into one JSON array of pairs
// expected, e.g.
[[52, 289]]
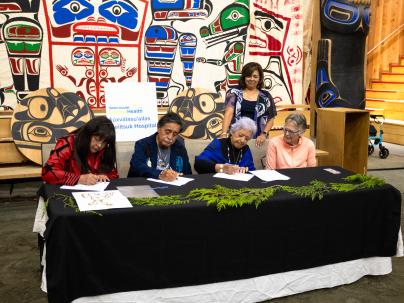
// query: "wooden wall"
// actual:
[[387, 15]]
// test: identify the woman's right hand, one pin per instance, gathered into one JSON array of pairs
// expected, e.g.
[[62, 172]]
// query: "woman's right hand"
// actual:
[[88, 179], [169, 175], [232, 169]]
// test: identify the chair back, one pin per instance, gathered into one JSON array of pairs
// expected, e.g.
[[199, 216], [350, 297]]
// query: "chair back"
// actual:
[[46, 149], [124, 151]]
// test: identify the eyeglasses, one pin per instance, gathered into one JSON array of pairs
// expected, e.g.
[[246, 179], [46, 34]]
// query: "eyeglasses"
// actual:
[[291, 132]]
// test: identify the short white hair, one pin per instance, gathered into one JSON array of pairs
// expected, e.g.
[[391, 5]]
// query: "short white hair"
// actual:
[[244, 123]]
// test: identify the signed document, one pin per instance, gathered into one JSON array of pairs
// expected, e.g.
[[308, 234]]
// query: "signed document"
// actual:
[[101, 200], [238, 177], [269, 175], [179, 182]]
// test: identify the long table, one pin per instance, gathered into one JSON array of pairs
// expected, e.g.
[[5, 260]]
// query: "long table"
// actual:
[[148, 247]]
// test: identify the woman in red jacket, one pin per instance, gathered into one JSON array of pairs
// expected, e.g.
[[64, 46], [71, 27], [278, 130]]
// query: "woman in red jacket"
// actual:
[[85, 156]]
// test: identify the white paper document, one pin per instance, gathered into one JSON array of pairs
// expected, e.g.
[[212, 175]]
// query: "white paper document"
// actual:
[[238, 177], [100, 186], [269, 175], [101, 200], [333, 171], [180, 181]]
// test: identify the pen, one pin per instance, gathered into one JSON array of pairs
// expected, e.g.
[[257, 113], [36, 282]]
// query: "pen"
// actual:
[[159, 187]]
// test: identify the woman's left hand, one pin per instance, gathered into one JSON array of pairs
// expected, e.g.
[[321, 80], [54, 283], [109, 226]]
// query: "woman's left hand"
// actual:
[[260, 140], [102, 178]]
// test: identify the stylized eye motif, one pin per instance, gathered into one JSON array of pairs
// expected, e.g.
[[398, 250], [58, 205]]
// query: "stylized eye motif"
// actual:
[[213, 123], [74, 7], [39, 134], [267, 24], [88, 54], [267, 83], [104, 55], [234, 15], [77, 54], [38, 108], [114, 55], [270, 83], [206, 104], [116, 10]]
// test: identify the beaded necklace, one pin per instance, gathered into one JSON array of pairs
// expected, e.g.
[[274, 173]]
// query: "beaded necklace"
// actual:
[[237, 159]]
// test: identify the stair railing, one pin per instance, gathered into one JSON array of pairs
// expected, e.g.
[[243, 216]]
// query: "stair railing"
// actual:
[[386, 38]]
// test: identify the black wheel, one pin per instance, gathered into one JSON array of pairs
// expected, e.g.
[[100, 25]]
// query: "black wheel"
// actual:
[[383, 153], [371, 149]]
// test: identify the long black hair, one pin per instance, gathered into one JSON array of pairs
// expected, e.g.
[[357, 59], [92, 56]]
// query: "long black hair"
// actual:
[[103, 128]]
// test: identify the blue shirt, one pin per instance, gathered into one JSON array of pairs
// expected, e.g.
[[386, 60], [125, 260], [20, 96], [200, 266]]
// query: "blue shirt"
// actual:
[[220, 151]]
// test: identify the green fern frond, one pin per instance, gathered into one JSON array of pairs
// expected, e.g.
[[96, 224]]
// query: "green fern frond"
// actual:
[[343, 187], [358, 181], [159, 201], [315, 190], [223, 197]]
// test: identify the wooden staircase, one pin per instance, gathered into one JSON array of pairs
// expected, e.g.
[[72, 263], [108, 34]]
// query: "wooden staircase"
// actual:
[[386, 96]]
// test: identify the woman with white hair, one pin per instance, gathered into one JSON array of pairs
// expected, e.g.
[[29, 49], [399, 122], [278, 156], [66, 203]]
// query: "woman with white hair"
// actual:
[[229, 155], [292, 149]]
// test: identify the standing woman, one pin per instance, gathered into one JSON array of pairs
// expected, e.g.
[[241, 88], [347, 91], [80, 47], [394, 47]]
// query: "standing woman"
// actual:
[[250, 101], [85, 156]]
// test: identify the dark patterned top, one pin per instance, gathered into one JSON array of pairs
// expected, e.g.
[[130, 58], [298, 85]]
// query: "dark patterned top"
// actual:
[[264, 108], [144, 159], [248, 108]]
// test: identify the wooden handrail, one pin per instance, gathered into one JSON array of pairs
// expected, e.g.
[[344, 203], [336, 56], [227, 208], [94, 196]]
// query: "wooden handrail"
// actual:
[[386, 38]]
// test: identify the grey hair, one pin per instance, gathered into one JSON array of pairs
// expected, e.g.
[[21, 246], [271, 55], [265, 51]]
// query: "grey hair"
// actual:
[[244, 123], [299, 119]]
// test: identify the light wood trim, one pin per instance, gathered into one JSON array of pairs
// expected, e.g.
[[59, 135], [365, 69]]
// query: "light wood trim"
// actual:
[[321, 153], [292, 106], [6, 113], [20, 172], [6, 139]]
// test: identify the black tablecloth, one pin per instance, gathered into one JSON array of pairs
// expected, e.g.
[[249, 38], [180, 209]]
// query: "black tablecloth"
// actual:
[[148, 247]]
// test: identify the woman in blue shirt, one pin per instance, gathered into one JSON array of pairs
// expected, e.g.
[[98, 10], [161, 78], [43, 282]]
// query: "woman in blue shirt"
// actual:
[[229, 155]]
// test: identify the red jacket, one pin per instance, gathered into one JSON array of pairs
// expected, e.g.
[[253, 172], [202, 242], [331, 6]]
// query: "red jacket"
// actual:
[[62, 168]]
